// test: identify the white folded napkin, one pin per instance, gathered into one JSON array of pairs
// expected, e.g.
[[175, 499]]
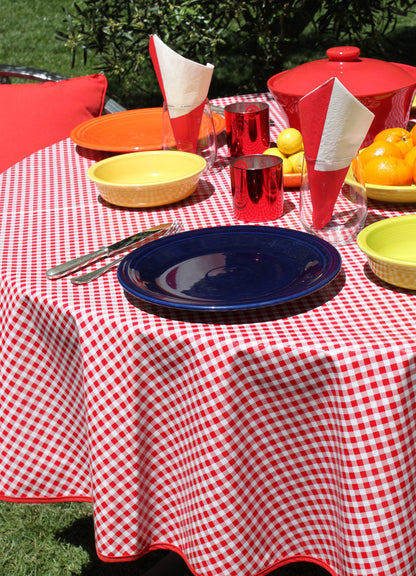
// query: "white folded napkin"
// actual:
[[334, 124], [184, 85]]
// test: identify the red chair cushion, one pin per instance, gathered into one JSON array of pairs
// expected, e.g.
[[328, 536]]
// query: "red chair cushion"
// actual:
[[35, 115]]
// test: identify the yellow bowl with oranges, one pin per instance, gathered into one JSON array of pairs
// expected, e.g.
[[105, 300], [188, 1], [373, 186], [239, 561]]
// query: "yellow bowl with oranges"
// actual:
[[389, 166]]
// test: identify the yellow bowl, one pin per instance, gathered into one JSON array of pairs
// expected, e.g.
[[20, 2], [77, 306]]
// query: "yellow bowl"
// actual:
[[391, 193], [390, 246], [143, 179]]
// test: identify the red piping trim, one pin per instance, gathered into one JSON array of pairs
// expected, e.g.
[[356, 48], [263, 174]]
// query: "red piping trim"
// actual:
[[45, 500]]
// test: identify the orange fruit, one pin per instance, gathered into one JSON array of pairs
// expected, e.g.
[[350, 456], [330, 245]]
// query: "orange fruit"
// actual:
[[356, 167], [399, 136], [410, 157], [414, 173], [413, 134], [380, 148], [387, 171]]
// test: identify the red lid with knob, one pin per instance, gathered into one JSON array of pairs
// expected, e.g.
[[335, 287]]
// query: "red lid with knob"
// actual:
[[361, 76]]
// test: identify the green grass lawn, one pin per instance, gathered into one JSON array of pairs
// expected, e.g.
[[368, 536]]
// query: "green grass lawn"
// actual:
[[57, 540], [27, 36]]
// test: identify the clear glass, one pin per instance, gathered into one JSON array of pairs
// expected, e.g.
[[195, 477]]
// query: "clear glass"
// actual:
[[338, 220], [204, 144]]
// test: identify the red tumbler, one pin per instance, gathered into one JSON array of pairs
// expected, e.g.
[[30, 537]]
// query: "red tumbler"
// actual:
[[247, 128], [257, 187]]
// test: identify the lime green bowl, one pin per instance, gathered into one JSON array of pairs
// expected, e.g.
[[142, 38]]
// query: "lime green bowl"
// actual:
[[390, 246]]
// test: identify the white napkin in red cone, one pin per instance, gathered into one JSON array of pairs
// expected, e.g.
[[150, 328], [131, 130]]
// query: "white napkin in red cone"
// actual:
[[183, 83], [333, 125]]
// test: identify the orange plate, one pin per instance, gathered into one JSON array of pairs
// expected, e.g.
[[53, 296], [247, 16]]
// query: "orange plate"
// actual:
[[129, 131], [291, 180]]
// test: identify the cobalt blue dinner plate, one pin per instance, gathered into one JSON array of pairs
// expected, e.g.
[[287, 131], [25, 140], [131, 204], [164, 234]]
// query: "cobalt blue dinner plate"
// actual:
[[229, 268]]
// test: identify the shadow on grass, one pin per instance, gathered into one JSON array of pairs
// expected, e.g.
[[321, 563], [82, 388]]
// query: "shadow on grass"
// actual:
[[156, 563], [81, 534]]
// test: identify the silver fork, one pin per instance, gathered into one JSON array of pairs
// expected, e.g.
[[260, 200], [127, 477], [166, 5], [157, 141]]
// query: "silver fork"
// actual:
[[90, 276]]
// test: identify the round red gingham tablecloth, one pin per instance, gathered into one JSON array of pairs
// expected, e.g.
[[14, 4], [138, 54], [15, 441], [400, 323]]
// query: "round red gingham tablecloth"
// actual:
[[240, 440]]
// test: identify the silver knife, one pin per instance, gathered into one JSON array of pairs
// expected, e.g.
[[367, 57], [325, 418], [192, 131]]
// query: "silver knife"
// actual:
[[112, 250]]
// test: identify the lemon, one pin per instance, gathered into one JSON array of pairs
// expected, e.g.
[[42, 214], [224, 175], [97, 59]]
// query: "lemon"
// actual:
[[289, 141], [296, 160], [274, 152], [287, 164]]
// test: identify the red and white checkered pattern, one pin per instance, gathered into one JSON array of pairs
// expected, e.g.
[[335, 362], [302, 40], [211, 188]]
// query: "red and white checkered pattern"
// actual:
[[240, 440]]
